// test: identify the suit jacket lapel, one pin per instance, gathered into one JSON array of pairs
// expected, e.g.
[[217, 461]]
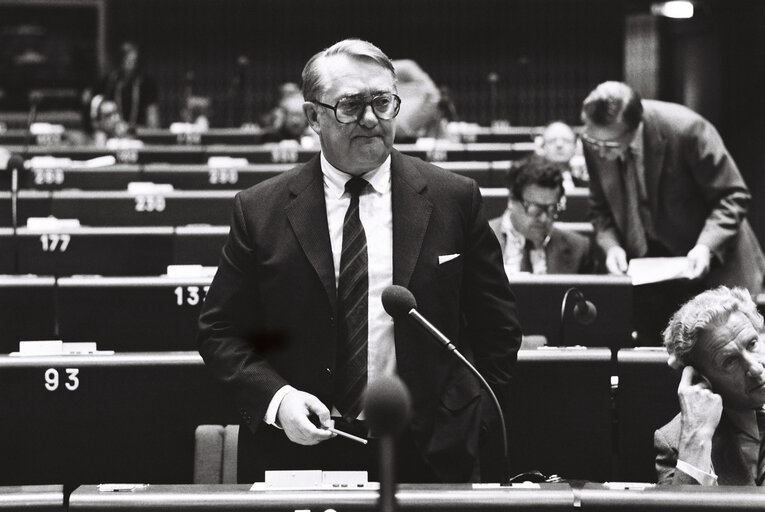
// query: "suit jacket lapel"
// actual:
[[558, 254], [727, 458], [654, 145], [411, 213], [307, 216], [610, 181]]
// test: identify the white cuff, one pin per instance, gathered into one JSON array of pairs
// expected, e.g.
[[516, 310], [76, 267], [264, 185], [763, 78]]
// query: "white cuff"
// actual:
[[273, 406], [700, 476]]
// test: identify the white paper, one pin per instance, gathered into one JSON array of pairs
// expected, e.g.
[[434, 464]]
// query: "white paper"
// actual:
[[656, 270]]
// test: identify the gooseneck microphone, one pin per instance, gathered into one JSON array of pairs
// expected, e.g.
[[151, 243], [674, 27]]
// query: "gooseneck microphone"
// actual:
[[387, 407], [585, 311], [400, 303]]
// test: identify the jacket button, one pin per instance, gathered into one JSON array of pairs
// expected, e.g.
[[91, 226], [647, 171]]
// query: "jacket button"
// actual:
[[328, 373]]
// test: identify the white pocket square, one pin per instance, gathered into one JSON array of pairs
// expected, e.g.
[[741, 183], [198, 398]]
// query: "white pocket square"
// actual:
[[447, 257]]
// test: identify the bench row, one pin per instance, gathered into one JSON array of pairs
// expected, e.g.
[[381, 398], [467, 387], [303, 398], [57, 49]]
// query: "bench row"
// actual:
[[160, 313], [158, 207], [437, 151], [131, 417]]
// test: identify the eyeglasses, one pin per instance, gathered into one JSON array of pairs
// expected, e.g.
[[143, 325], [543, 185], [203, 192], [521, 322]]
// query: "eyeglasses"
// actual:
[[606, 144], [349, 110], [537, 209]]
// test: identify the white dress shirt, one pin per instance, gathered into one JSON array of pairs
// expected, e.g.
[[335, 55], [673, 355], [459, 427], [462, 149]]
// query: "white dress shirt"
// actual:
[[376, 216]]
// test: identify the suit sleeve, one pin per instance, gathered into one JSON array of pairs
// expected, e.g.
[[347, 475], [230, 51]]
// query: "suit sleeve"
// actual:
[[229, 325], [601, 217], [721, 183], [488, 304], [666, 462]]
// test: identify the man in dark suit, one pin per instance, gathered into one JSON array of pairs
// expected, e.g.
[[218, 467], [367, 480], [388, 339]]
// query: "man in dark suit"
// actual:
[[663, 184], [530, 242], [718, 436], [293, 320]]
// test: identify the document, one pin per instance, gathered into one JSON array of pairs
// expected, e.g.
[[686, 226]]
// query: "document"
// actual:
[[656, 270]]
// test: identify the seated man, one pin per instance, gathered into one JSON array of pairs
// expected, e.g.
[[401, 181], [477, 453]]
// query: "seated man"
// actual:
[[558, 143], [530, 242], [715, 439]]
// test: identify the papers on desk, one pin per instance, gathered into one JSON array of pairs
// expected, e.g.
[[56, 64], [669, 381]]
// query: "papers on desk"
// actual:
[[313, 480], [656, 270], [57, 348]]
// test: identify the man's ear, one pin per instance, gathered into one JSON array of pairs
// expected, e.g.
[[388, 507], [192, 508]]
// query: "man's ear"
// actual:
[[312, 114]]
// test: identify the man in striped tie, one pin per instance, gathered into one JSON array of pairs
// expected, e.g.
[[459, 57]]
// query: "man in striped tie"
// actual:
[[293, 321], [718, 436]]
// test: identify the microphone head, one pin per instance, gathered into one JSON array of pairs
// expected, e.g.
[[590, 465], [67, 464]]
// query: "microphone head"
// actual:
[[398, 301], [15, 162], [387, 406], [585, 312]]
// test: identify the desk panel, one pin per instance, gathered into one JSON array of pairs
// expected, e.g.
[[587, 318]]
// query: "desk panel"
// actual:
[[647, 399], [32, 498], [130, 314], [204, 177], [27, 311], [115, 177], [199, 245], [539, 300], [577, 204], [239, 498], [111, 208], [91, 419], [672, 498], [560, 413], [88, 250], [31, 203]]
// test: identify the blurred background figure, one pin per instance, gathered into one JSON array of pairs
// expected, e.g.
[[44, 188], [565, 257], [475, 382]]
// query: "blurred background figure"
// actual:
[[420, 112], [526, 232], [559, 144], [288, 121], [134, 93], [108, 123]]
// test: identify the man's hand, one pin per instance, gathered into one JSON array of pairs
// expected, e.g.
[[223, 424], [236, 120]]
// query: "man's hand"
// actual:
[[700, 411], [616, 260], [294, 417], [699, 261]]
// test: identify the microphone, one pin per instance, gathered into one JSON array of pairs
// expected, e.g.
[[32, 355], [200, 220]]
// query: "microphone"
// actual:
[[400, 303], [15, 166], [585, 311], [387, 407]]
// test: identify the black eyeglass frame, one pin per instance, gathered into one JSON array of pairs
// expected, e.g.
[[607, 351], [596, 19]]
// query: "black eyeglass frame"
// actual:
[[607, 144], [363, 108]]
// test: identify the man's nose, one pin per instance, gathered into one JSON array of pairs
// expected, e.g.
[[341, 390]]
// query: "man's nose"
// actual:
[[368, 117], [754, 365]]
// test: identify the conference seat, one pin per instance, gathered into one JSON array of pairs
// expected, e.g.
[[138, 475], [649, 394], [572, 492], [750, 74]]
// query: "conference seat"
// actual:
[[646, 400], [215, 454], [559, 413]]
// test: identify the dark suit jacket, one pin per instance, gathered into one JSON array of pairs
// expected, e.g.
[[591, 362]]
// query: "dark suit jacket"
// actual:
[[567, 252], [727, 460], [269, 316], [695, 193]]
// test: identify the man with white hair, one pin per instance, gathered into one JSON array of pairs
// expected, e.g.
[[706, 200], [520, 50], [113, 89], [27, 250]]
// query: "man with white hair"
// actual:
[[718, 436]]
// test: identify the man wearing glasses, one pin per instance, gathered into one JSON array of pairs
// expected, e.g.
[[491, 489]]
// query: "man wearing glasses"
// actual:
[[530, 242], [663, 184], [293, 321]]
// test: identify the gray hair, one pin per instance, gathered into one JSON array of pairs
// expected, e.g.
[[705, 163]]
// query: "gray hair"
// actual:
[[611, 102], [705, 311], [354, 48]]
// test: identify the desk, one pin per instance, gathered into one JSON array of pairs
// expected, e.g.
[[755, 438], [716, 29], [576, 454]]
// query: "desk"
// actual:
[[27, 311], [32, 498], [96, 250], [105, 418], [131, 313], [539, 300], [230, 498], [672, 498]]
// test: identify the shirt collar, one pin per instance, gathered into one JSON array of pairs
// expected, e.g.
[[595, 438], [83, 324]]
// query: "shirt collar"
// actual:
[[513, 234], [335, 179], [744, 420]]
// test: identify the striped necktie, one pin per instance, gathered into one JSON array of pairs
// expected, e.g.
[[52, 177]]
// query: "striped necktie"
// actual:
[[352, 298]]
